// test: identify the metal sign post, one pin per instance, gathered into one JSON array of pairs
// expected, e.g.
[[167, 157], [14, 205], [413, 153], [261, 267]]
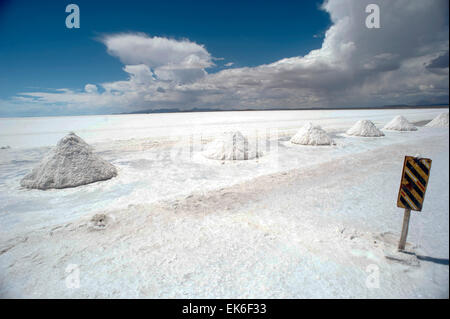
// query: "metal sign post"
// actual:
[[402, 243], [413, 186]]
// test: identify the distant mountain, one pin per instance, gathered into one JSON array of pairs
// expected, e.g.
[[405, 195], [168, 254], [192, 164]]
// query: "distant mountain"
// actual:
[[401, 106]]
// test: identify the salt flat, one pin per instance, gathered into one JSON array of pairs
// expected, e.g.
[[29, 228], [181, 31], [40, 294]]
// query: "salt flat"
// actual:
[[46, 131], [301, 221]]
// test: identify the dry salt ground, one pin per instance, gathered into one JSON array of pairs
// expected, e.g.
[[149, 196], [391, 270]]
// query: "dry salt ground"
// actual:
[[312, 135], [400, 123], [300, 222], [440, 121], [232, 146], [364, 128], [72, 163]]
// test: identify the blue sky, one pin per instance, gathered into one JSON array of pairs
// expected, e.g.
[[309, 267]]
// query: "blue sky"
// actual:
[[39, 55], [38, 51]]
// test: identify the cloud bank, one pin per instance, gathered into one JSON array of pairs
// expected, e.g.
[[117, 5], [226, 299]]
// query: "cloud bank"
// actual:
[[403, 62]]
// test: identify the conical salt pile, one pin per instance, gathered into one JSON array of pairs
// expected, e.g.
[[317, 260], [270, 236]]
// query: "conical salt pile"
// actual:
[[399, 123], [365, 128], [232, 146], [440, 121], [72, 163], [311, 135]]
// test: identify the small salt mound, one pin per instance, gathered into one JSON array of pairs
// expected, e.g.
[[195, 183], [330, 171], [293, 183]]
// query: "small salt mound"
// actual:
[[365, 128], [6, 147], [231, 146], [311, 135], [440, 121], [72, 163], [399, 123]]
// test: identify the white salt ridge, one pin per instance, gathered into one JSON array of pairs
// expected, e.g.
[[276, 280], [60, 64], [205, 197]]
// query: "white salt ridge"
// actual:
[[5, 147], [399, 123], [364, 128], [232, 146], [440, 121], [71, 164], [311, 135]]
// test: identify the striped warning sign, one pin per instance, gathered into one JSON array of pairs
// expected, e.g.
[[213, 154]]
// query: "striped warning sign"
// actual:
[[414, 182]]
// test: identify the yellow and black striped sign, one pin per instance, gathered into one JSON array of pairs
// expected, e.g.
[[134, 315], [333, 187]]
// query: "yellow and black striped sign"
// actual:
[[416, 172]]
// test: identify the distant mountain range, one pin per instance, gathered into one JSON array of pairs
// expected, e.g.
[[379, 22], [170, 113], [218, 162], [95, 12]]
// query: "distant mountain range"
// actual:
[[403, 106]]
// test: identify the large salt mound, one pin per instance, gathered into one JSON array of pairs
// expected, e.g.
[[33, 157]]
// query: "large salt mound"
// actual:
[[440, 121], [231, 146], [399, 123], [364, 128], [311, 135], [72, 163]]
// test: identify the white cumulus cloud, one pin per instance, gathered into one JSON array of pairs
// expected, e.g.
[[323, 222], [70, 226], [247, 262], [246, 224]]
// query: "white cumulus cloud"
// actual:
[[405, 61], [90, 88]]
